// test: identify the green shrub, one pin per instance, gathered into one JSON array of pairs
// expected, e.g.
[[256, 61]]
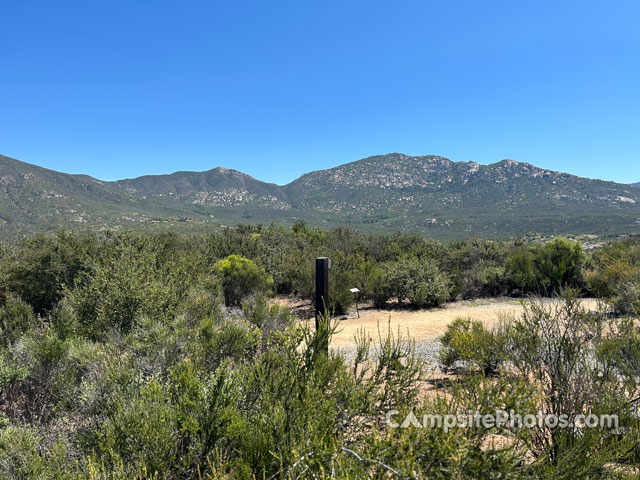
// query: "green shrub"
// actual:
[[16, 319], [418, 281], [344, 274], [547, 269], [469, 342], [142, 430], [235, 340], [377, 286], [521, 271], [204, 300], [25, 455], [123, 284], [559, 264], [40, 268], [240, 278], [64, 320], [615, 276]]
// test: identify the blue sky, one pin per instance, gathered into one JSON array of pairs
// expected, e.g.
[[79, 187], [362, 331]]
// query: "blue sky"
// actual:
[[119, 89]]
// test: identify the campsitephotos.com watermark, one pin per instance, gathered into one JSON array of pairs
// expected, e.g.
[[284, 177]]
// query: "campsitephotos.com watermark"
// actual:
[[499, 419]]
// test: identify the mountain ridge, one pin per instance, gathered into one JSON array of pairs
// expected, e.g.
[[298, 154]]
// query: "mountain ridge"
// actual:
[[428, 194]]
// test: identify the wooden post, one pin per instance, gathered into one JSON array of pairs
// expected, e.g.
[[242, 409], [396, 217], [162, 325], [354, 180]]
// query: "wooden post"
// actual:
[[322, 302]]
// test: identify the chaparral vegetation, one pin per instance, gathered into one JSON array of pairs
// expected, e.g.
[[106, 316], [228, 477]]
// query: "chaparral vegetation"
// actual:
[[163, 356]]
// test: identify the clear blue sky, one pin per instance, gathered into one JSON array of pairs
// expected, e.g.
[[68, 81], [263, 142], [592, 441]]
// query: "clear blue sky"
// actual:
[[119, 89]]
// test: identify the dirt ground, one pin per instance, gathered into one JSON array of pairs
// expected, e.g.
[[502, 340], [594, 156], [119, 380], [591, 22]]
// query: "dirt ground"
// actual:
[[428, 324], [421, 325]]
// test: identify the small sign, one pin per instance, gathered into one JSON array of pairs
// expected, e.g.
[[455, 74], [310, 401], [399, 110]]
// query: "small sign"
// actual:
[[354, 290]]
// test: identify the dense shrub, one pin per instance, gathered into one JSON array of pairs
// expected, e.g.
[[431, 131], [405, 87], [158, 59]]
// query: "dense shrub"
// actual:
[[547, 269], [38, 269], [136, 368], [616, 275], [377, 286], [419, 282], [240, 278], [470, 343], [16, 319], [124, 283]]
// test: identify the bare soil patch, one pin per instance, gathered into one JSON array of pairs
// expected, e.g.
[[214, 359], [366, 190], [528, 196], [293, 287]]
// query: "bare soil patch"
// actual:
[[423, 326]]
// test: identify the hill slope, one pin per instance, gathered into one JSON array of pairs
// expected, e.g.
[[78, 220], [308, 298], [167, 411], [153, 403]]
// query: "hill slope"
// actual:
[[434, 194], [38, 199], [427, 194]]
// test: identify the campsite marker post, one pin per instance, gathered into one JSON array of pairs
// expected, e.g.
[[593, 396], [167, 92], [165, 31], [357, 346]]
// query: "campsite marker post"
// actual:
[[355, 292], [323, 264]]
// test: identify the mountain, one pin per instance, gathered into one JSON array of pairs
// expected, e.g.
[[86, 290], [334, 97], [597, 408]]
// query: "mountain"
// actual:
[[219, 187], [434, 194], [34, 199], [635, 184], [427, 194]]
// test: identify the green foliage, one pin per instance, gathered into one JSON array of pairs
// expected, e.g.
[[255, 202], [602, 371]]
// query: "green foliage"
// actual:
[[124, 283], [616, 276], [420, 282], [16, 319], [235, 340], [137, 369], [240, 278], [22, 457], [469, 342], [550, 268], [38, 269], [521, 270], [559, 264]]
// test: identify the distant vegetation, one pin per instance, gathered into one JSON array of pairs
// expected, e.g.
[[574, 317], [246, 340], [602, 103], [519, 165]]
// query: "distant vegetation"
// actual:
[[428, 194], [161, 356]]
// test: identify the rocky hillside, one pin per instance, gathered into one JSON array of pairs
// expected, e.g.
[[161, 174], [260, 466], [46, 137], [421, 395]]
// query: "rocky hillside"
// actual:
[[427, 194], [219, 187], [434, 194]]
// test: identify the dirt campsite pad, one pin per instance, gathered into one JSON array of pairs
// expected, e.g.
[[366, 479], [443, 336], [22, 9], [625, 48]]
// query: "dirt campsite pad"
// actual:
[[423, 326], [428, 324]]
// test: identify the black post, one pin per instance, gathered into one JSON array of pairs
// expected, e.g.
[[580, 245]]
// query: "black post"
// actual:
[[322, 302]]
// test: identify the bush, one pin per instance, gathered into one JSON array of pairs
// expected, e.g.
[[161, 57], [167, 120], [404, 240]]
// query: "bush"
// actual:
[[521, 271], [554, 346], [377, 286], [16, 319], [559, 264], [240, 278], [419, 282], [40, 268], [615, 276], [345, 273], [25, 455], [234, 340], [469, 342], [547, 269], [124, 283]]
